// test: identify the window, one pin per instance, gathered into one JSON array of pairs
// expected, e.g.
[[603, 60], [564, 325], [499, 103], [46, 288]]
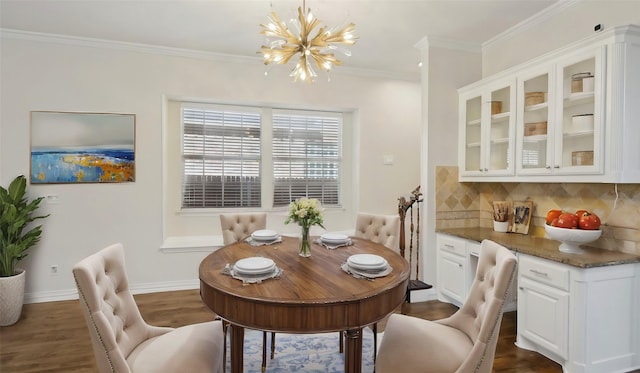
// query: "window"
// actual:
[[221, 157], [224, 156], [306, 157]]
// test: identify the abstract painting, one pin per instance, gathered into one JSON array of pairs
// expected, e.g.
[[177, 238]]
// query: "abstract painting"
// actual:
[[70, 147]]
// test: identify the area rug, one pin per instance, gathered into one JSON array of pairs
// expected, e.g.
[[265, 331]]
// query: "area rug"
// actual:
[[316, 353]]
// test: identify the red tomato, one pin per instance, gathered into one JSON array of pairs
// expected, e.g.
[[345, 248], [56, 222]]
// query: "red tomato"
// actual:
[[566, 220], [579, 213], [552, 214], [589, 221]]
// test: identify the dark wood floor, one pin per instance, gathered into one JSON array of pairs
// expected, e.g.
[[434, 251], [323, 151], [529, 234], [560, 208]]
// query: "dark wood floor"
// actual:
[[53, 337]]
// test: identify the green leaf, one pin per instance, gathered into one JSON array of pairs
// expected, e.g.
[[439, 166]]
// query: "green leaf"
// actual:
[[16, 213]]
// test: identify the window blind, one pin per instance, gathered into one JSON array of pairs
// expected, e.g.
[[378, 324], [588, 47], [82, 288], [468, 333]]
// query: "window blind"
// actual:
[[306, 156], [221, 157]]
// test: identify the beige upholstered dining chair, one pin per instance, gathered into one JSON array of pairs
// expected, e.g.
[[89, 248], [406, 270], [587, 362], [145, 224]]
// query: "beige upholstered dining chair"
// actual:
[[235, 227], [382, 229], [465, 341], [122, 341], [238, 226]]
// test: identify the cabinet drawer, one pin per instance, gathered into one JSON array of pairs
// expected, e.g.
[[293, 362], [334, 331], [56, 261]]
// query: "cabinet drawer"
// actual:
[[543, 271], [452, 245]]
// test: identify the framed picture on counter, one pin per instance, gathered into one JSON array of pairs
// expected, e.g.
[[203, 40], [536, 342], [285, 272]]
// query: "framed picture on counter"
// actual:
[[521, 217]]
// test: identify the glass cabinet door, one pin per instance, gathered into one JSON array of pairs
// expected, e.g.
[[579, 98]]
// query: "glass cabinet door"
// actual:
[[487, 129], [535, 125], [472, 134], [578, 147], [499, 130]]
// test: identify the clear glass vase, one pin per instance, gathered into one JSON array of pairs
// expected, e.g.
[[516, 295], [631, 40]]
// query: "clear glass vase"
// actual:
[[305, 245]]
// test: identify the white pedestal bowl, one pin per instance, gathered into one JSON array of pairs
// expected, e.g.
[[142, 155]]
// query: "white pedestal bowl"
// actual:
[[572, 238]]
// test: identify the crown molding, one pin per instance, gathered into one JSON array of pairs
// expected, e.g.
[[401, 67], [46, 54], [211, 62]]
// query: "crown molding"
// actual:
[[448, 43], [180, 52], [530, 22], [120, 45]]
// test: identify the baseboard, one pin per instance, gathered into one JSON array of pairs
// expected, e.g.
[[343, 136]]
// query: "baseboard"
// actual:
[[152, 287], [423, 295], [50, 296]]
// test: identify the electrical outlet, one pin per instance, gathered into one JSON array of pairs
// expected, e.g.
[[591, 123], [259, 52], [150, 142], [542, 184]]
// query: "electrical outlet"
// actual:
[[53, 270]]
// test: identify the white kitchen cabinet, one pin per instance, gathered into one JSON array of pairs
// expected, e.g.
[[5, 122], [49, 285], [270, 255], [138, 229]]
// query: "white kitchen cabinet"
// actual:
[[585, 319], [571, 112], [487, 129], [456, 269], [543, 305], [452, 285], [591, 133]]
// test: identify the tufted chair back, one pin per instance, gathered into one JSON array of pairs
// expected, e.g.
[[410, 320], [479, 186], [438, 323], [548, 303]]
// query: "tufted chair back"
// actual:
[[113, 318], [382, 229], [481, 314], [238, 226]]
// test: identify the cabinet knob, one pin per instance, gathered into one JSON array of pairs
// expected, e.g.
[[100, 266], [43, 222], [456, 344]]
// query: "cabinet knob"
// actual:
[[548, 167], [486, 169], [556, 166]]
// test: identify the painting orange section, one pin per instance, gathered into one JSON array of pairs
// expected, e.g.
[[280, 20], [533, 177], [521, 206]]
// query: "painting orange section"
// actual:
[[110, 172]]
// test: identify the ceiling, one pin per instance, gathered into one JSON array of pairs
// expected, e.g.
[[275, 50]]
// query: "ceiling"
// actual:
[[388, 30]]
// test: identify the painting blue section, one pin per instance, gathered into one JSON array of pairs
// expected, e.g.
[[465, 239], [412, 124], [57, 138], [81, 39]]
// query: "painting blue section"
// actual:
[[87, 165]]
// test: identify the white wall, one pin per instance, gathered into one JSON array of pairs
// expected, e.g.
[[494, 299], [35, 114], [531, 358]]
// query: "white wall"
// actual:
[[41, 73], [445, 69], [562, 24]]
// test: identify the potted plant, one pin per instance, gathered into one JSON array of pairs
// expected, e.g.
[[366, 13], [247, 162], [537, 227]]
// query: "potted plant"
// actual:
[[16, 213]]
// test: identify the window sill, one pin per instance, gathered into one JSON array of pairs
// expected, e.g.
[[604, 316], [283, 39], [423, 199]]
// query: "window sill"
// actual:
[[188, 244]]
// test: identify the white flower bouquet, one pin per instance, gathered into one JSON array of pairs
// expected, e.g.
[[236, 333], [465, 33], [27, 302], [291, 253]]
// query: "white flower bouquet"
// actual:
[[305, 212]]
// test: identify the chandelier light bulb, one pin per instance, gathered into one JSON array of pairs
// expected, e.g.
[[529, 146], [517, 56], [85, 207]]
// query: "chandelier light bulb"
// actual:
[[318, 48]]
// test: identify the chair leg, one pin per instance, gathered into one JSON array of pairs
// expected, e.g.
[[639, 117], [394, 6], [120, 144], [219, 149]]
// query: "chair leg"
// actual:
[[273, 344], [375, 342], [225, 327], [264, 351]]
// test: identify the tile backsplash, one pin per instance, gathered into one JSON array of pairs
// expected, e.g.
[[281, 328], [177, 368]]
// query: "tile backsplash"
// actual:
[[471, 205]]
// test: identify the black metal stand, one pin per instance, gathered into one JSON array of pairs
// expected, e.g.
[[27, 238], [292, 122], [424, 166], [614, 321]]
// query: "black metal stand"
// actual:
[[416, 285], [403, 206]]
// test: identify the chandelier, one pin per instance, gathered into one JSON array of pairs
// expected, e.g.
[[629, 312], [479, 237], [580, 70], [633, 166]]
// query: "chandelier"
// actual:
[[311, 50]]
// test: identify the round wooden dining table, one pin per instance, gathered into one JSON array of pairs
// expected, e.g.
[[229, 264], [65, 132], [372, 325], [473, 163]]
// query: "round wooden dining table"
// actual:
[[312, 295]]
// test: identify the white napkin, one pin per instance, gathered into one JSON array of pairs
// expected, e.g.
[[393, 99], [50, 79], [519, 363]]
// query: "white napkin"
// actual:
[[253, 242], [251, 279], [332, 246], [365, 274]]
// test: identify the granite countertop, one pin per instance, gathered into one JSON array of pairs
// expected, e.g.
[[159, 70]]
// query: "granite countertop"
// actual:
[[544, 248]]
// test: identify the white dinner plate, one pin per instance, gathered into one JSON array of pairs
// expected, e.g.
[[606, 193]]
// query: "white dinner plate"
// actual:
[[264, 235], [254, 265], [334, 238], [367, 262]]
